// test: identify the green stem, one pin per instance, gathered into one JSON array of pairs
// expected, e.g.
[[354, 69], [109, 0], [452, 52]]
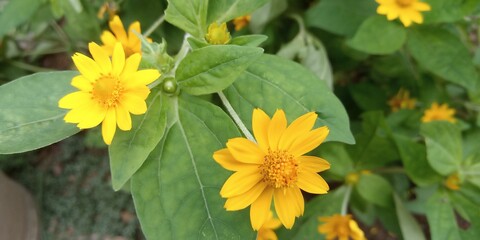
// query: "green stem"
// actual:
[[346, 199], [154, 26], [235, 117], [30, 67]]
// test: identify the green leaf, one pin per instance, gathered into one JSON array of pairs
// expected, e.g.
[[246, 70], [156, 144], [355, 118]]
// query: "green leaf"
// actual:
[[176, 191], [441, 218], [442, 53], [414, 158], [273, 82], [225, 10], [448, 10], [340, 17], [196, 43], [314, 57], [377, 35], [265, 14], [29, 114], [444, 146], [249, 40], [375, 189], [362, 94], [214, 68], [190, 16], [129, 149], [336, 153], [408, 225], [17, 12]]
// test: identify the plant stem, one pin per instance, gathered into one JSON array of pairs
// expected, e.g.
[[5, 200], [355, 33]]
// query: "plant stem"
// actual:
[[29, 67], [154, 26], [346, 199], [235, 117]]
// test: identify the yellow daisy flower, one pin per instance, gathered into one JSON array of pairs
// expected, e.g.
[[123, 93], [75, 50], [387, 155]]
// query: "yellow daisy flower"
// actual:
[[217, 34], [241, 22], [436, 112], [266, 231], [452, 182], [402, 100], [130, 42], [407, 10], [340, 227], [109, 90], [274, 167]]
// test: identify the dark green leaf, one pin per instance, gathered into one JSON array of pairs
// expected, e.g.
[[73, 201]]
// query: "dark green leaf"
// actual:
[[249, 40], [408, 225], [375, 189], [17, 12], [29, 114], [448, 10], [226, 10], [190, 16], [441, 218]]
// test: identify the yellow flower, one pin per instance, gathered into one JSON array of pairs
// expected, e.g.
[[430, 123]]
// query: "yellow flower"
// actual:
[[353, 177], [274, 167], [402, 101], [341, 227], [130, 42], [407, 10], [109, 90], [217, 34], [241, 22], [266, 231], [436, 112], [452, 182]]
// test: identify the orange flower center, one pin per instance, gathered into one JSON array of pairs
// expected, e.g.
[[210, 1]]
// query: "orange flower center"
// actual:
[[404, 3], [279, 169], [107, 90]]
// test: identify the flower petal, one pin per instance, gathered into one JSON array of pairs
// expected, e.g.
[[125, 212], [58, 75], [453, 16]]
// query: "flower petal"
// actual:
[[133, 40], [312, 182], [108, 41], [101, 57], [245, 151], [134, 104], [74, 100], [240, 182], [260, 123], [118, 59], [261, 208], [276, 128], [124, 121], [313, 164], [109, 126], [92, 117], [118, 29], [309, 141], [244, 200], [141, 91], [300, 203], [86, 66], [82, 83], [421, 6], [131, 65], [300, 127], [143, 77], [227, 161], [283, 207]]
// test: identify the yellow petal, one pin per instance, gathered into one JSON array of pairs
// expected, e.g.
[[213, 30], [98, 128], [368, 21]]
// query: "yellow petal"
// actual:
[[382, 9], [133, 40], [118, 29], [309, 141], [82, 83], [245, 151], [240, 182], [244, 200], [144, 77], [74, 100], [312, 183], [313, 164], [300, 127], [118, 59], [416, 17], [226, 160], [283, 208], [276, 128], [131, 65], [392, 14], [87, 67], [260, 123], [421, 6], [141, 91], [124, 121], [75, 115], [261, 208], [405, 19], [92, 117], [101, 57], [300, 203], [109, 126], [134, 104], [108, 41]]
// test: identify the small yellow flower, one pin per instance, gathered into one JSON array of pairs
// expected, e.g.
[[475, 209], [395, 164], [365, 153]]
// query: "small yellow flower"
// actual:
[[217, 34], [407, 10], [436, 112], [266, 231], [241, 22], [452, 182], [130, 42], [402, 100], [274, 167], [353, 177], [340, 227], [109, 90]]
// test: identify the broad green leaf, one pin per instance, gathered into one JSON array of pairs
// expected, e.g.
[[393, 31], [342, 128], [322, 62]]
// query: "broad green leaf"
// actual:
[[249, 40], [441, 218], [473, 217], [29, 114], [337, 155], [273, 82], [196, 43], [375, 189], [448, 10], [214, 68], [444, 146], [190, 16], [362, 94], [314, 57], [226, 10], [340, 17], [265, 14], [176, 191], [377, 35], [129, 149], [409, 226], [414, 158], [17, 12], [442, 53]]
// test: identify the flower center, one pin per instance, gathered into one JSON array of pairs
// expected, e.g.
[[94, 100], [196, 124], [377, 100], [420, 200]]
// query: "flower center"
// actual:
[[404, 3], [279, 169], [107, 90]]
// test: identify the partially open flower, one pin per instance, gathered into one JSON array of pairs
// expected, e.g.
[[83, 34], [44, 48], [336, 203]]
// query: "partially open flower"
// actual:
[[130, 42], [217, 34], [407, 10], [439, 112], [241, 22], [340, 227]]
